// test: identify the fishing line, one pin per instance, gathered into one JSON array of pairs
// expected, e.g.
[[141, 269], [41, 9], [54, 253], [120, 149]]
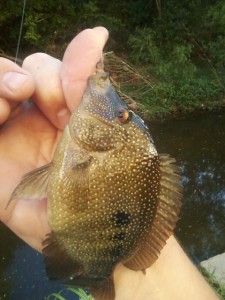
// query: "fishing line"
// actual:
[[20, 33]]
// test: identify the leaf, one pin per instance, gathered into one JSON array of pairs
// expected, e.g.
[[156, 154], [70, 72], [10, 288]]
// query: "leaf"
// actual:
[[81, 293], [57, 296]]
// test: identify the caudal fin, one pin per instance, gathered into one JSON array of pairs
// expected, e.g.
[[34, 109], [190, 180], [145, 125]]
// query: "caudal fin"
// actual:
[[104, 291]]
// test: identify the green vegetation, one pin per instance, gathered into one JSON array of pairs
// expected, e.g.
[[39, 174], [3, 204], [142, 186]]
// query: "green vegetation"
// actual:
[[178, 44], [212, 280], [69, 291]]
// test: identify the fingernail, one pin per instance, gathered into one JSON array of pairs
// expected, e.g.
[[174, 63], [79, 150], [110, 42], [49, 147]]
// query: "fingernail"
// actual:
[[63, 117], [14, 80]]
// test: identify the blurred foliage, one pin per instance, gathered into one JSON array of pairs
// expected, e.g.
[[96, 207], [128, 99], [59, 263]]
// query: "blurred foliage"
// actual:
[[218, 286], [68, 293], [180, 43]]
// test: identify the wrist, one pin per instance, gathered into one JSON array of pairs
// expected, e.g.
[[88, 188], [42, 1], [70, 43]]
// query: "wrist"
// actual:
[[171, 277]]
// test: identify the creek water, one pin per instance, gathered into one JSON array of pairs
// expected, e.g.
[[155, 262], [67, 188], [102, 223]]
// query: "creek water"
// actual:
[[197, 141]]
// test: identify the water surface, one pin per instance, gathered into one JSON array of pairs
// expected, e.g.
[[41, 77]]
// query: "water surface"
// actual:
[[197, 142]]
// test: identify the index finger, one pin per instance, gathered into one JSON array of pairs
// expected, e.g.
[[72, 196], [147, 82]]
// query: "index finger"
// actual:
[[79, 63], [16, 83]]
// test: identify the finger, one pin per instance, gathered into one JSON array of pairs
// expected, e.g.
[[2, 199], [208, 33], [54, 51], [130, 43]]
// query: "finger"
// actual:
[[48, 93], [79, 62], [28, 220], [15, 83], [4, 110]]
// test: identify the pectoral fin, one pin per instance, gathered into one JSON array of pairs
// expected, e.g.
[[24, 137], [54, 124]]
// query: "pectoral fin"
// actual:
[[34, 185], [166, 216]]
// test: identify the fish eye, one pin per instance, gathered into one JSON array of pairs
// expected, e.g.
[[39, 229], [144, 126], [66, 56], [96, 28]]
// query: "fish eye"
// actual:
[[122, 114]]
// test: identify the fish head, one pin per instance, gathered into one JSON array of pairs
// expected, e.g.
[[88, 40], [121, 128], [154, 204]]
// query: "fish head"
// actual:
[[103, 121]]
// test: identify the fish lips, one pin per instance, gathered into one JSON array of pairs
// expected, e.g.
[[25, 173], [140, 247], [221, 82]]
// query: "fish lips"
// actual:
[[101, 99]]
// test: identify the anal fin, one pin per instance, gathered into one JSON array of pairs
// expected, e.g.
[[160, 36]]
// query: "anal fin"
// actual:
[[166, 216], [58, 264]]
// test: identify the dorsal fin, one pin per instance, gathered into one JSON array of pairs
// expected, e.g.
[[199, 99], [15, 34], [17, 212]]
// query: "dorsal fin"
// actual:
[[168, 208]]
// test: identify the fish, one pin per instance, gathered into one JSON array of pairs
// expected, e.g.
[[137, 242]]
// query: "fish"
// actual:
[[111, 197]]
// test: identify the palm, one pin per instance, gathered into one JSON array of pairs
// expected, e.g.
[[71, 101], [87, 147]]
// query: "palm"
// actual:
[[27, 142], [28, 138]]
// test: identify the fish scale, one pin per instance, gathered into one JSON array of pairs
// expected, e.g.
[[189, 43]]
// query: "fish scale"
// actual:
[[111, 197], [110, 205]]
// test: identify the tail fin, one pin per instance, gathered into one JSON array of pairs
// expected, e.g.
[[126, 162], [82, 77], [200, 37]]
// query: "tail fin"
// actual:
[[104, 291]]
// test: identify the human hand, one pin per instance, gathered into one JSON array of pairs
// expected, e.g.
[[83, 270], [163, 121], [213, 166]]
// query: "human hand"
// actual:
[[30, 131]]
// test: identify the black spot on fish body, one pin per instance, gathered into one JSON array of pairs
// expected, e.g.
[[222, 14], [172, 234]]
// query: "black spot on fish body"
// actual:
[[121, 218]]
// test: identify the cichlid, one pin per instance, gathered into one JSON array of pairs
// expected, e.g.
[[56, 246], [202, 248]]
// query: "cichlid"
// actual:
[[111, 197]]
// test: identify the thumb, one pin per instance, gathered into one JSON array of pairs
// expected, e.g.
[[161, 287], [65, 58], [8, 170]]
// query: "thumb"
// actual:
[[48, 94], [79, 63]]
